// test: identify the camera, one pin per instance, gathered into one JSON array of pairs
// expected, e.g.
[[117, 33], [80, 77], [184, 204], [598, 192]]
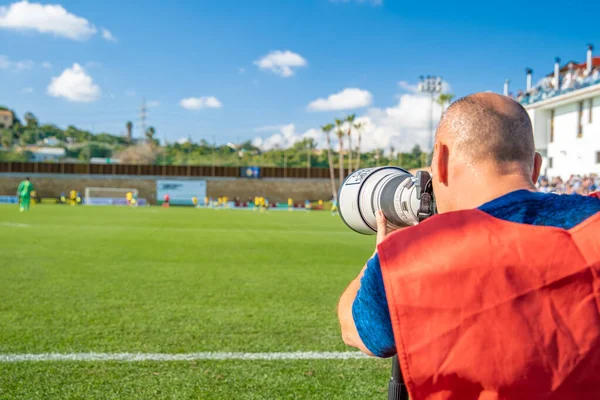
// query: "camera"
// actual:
[[405, 199]]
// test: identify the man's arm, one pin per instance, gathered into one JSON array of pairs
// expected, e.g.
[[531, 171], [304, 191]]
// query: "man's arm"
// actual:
[[363, 311], [349, 332]]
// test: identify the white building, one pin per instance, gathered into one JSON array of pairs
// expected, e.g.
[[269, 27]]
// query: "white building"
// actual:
[[566, 117], [41, 154]]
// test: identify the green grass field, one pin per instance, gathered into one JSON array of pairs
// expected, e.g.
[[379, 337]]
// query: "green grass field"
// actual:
[[179, 280]]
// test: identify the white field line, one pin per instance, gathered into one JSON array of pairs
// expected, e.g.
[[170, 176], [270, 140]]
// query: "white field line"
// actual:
[[137, 357], [15, 224]]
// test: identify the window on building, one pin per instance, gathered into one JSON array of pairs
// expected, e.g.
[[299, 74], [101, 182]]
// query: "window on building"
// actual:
[[590, 113], [579, 120], [551, 126], [550, 163], [598, 157]]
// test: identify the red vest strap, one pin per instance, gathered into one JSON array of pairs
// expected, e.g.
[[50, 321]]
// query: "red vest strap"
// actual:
[[486, 309]]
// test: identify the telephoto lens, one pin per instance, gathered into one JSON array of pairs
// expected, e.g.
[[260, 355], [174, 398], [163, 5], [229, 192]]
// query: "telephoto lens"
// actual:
[[391, 189]]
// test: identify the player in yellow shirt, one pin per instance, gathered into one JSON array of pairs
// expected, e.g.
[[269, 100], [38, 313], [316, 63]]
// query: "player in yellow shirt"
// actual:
[[290, 204], [320, 205], [73, 197], [195, 201], [256, 203], [206, 200], [129, 198], [263, 204]]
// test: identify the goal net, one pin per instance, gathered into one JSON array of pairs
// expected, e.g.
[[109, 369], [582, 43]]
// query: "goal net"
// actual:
[[100, 196]]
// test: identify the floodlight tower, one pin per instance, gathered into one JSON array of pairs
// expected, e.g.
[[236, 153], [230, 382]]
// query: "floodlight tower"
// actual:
[[433, 86]]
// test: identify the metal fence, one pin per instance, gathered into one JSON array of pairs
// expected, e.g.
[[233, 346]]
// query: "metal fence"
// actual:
[[161, 170]]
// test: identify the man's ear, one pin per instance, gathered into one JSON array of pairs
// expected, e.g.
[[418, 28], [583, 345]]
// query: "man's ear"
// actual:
[[441, 163], [537, 166]]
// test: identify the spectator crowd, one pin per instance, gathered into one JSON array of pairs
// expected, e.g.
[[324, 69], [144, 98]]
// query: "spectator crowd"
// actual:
[[574, 78], [576, 184]]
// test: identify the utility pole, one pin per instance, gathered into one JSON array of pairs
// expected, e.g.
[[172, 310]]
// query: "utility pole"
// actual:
[[143, 116], [433, 86]]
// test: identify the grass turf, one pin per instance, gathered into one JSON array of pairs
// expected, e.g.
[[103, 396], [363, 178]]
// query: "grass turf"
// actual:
[[178, 280]]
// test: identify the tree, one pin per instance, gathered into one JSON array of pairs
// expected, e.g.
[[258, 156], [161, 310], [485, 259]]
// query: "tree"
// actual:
[[310, 145], [443, 99], [150, 132], [94, 150], [27, 137], [358, 127], [129, 127], [6, 137], [392, 151], [327, 130], [350, 121], [30, 120], [340, 135]]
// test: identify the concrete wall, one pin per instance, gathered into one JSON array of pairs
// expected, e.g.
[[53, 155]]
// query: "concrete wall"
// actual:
[[51, 185]]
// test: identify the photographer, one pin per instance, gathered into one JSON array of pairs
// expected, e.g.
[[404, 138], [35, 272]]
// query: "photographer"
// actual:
[[498, 297]]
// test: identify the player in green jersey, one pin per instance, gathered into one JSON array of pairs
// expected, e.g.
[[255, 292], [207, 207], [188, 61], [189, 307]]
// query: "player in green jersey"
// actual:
[[24, 192]]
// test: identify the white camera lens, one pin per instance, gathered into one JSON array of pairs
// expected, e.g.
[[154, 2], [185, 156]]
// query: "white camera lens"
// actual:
[[368, 190]]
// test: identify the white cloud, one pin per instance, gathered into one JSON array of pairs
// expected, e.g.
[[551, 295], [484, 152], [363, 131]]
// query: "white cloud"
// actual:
[[46, 65], [49, 18], [197, 103], [153, 103], [27, 90], [242, 70], [106, 35], [269, 128], [408, 87], [286, 137], [74, 84], [347, 99], [6, 63], [402, 125], [281, 62]]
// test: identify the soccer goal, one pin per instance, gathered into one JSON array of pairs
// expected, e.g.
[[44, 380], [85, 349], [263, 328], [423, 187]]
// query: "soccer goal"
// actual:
[[101, 196]]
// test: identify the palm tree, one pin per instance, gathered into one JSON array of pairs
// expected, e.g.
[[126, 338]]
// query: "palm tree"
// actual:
[[129, 126], [150, 132], [358, 127], [350, 121], [445, 98], [340, 135], [327, 130], [392, 150], [310, 146]]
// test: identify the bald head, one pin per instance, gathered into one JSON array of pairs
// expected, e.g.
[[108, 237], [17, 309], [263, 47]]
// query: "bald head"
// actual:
[[488, 127]]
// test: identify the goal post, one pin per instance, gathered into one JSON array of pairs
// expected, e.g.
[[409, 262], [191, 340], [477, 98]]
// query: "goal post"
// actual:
[[103, 196]]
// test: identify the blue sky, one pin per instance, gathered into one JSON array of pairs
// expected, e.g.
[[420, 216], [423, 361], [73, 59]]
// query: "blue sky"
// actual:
[[204, 49]]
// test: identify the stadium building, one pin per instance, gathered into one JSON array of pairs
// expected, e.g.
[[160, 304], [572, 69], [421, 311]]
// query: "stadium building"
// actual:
[[564, 108]]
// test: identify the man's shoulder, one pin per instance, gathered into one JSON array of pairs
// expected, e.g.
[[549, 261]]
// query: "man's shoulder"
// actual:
[[546, 209]]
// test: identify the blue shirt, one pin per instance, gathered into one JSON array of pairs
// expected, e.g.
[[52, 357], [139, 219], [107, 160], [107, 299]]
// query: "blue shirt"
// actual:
[[370, 309]]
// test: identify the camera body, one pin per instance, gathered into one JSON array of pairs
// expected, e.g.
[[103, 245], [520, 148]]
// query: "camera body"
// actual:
[[405, 199]]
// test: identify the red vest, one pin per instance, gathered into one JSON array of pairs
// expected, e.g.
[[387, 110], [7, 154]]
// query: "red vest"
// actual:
[[488, 309]]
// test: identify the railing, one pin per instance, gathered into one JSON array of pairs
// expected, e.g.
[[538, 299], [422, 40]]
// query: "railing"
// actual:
[[161, 170], [540, 94]]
